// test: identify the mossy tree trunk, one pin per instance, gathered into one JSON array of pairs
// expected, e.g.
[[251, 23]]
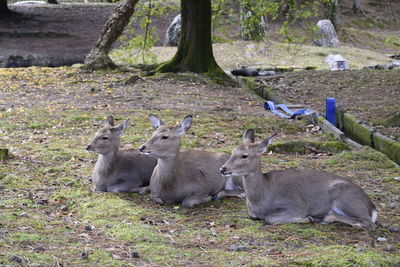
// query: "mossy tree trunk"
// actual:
[[98, 57], [4, 11], [194, 52], [356, 6]]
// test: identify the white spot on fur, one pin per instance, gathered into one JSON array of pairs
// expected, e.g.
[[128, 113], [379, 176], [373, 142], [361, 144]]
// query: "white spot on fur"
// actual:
[[229, 184], [374, 215]]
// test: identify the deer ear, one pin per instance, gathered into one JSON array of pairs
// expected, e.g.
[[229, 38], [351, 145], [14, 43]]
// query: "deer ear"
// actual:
[[248, 136], [109, 121], [121, 128], [185, 124], [155, 121], [263, 145]]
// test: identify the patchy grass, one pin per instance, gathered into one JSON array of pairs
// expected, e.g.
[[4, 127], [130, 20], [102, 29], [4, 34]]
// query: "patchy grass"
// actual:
[[274, 54], [50, 215]]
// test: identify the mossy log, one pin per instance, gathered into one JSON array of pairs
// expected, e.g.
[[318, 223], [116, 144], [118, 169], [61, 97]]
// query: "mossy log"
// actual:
[[305, 147], [4, 154]]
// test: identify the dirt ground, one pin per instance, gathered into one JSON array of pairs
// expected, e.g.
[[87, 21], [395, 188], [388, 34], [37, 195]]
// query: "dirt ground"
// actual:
[[370, 95], [58, 35], [61, 34]]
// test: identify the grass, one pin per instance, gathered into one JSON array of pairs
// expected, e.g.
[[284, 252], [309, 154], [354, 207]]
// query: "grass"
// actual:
[[50, 215], [273, 54]]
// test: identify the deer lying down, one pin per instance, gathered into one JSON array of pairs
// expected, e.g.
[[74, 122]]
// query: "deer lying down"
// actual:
[[118, 170], [297, 196], [190, 177]]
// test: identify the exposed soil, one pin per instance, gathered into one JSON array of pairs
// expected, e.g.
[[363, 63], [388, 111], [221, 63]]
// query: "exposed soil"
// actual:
[[370, 95], [52, 35]]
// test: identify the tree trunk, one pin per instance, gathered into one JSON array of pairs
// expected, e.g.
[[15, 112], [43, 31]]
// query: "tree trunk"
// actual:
[[98, 57], [195, 47], [4, 11], [356, 6], [332, 13]]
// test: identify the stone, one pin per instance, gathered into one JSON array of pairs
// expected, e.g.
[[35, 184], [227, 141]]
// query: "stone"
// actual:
[[135, 255], [173, 33], [381, 239], [393, 229], [327, 34], [238, 248], [397, 178], [390, 247], [337, 62], [393, 205]]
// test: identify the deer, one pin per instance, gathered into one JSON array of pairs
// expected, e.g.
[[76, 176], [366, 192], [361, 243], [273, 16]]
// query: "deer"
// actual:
[[296, 195], [187, 177], [118, 170]]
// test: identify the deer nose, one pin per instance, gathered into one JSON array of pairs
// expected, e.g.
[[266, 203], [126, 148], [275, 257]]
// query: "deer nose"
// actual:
[[222, 170], [142, 148], [89, 147]]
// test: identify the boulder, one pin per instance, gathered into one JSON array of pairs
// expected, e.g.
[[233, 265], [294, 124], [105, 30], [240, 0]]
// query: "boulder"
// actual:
[[173, 33], [327, 34]]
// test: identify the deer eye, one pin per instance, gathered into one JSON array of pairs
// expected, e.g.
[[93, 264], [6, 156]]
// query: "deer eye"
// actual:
[[104, 138], [164, 137], [244, 156]]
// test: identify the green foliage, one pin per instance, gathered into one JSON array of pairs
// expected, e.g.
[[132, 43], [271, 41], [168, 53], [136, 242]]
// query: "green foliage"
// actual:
[[221, 12], [392, 41], [141, 44], [252, 13]]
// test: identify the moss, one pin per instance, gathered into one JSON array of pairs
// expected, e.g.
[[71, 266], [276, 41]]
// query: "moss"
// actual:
[[387, 146], [392, 41], [393, 120], [4, 154], [346, 256], [366, 159], [304, 147], [356, 131], [365, 23]]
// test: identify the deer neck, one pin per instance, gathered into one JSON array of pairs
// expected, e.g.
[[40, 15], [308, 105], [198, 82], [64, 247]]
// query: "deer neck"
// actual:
[[166, 169], [255, 185], [105, 164]]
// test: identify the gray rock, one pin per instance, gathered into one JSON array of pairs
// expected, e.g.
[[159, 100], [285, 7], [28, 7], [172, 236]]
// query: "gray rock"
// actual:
[[327, 34], [393, 205], [390, 247], [381, 239], [173, 33], [393, 229], [238, 248], [397, 178]]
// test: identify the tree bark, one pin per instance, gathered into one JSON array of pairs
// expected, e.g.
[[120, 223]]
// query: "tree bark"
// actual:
[[98, 57], [4, 11], [194, 52], [356, 6]]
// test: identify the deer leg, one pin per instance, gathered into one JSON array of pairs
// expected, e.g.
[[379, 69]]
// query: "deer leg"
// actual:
[[286, 216], [193, 200], [229, 193], [141, 190], [355, 222], [353, 207]]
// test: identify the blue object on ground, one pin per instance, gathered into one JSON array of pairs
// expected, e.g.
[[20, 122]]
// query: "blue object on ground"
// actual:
[[270, 105], [331, 110]]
